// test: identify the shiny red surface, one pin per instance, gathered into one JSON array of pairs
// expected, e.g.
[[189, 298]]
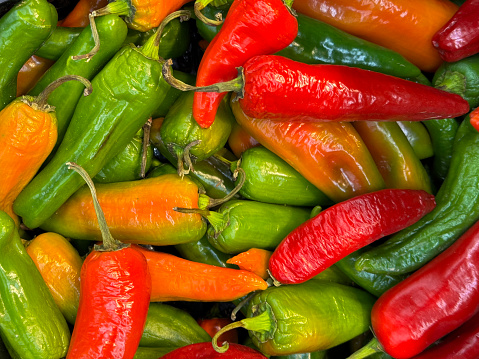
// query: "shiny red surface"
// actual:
[[206, 351], [114, 300], [459, 37], [432, 302], [277, 87], [252, 27], [344, 228]]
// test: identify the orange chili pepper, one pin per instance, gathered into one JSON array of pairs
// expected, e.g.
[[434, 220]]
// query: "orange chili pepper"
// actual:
[[404, 26], [78, 17], [240, 140], [175, 278], [31, 72], [254, 260]]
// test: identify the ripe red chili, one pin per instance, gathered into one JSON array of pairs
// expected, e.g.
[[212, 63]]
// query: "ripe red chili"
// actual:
[[252, 27], [115, 287], [432, 302], [344, 228], [206, 351], [459, 37]]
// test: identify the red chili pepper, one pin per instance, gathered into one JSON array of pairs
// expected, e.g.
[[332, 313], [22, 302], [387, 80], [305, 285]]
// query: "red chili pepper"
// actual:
[[252, 27], [459, 37], [474, 118], [462, 343], [206, 351], [435, 300], [115, 287], [275, 87], [344, 228]]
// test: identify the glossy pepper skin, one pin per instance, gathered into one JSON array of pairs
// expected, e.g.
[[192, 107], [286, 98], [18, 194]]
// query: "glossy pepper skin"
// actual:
[[32, 325], [206, 351], [459, 37], [457, 209], [343, 228], [252, 27], [99, 129], [432, 302], [58, 42], [401, 25], [23, 29], [320, 152], [277, 87]]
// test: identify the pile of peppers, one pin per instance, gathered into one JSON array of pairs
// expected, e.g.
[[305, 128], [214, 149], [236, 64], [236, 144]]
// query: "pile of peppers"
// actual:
[[239, 179]]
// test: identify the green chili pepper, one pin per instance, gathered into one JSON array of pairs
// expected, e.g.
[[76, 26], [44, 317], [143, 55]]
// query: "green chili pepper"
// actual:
[[321, 354], [162, 169], [418, 137], [457, 208], [320, 43], [22, 31], [125, 94], [306, 317], [270, 179], [167, 326], [152, 353], [460, 77], [241, 225], [127, 165], [58, 42], [31, 325], [112, 31]]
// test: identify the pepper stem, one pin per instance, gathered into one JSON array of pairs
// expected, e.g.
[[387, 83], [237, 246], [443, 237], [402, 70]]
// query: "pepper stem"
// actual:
[[109, 243], [235, 85], [146, 144], [200, 5], [96, 39], [453, 82], [370, 348], [216, 202], [260, 323], [151, 46], [41, 99]]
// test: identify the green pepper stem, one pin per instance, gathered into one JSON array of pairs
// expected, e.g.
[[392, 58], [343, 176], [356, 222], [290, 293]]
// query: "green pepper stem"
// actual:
[[41, 99], [146, 143], [109, 243], [261, 323], [96, 39], [216, 202], [200, 5], [235, 85], [370, 348]]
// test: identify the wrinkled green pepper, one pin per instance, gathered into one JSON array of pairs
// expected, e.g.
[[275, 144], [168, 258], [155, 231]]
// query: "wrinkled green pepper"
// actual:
[[31, 324], [22, 31]]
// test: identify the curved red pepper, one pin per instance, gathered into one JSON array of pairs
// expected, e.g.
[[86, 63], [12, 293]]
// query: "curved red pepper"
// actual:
[[462, 343], [432, 302], [459, 37], [277, 87], [206, 351], [344, 228], [252, 27]]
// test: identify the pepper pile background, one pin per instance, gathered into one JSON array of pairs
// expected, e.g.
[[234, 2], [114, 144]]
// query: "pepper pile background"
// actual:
[[168, 183]]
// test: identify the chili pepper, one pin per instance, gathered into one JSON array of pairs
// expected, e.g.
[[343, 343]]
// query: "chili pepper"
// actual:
[[167, 326], [30, 73], [399, 25], [213, 325], [460, 343], [28, 128], [59, 264], [457, 38], [343, 228], [58, 42], [162, 169], [251, 28], [276, 87], [432, 302], [23, 29], [112, 30], [203, 252], [126, 166], [186, 140], [206, 351], [139, 211], [175, 278], [78, 17], [320, 152], [115, 287], [240, 140], [152, 353], [460, 77], [394, 155], [418, 137], [255, 260], [457, 209], [32, 325], [270, 179], [99, 129], [307, 317]]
